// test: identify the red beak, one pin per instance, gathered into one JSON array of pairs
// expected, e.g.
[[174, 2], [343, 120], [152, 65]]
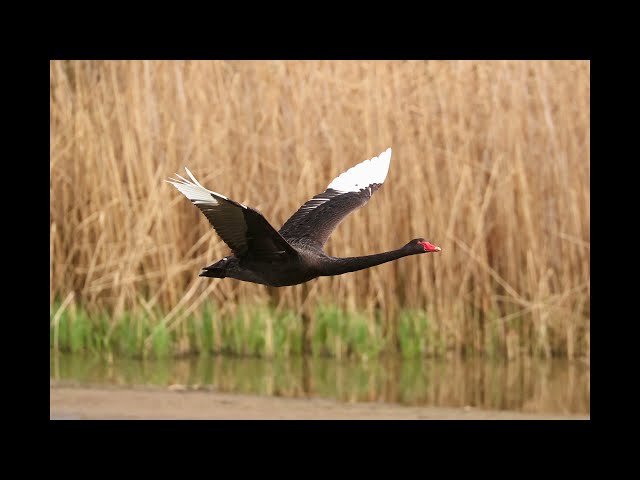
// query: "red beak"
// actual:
[[429, 247]]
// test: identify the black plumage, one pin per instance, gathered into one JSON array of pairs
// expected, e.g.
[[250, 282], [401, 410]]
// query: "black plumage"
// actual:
[[294, 254]]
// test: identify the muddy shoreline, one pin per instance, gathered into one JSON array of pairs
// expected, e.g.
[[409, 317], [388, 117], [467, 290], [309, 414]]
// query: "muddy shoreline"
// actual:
[[76, 402]]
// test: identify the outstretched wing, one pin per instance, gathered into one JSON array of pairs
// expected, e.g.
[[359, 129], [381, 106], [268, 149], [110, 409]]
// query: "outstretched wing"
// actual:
[[243, 229], [317, 218]]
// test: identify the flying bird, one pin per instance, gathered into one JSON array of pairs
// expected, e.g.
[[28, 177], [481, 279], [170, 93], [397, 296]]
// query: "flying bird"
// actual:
[[295, 254]]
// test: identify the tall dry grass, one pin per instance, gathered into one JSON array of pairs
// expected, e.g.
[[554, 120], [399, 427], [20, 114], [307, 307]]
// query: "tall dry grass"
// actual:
[[491, 161]]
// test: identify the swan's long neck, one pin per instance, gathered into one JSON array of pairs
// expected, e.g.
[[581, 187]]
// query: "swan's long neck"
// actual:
[[338, 266]]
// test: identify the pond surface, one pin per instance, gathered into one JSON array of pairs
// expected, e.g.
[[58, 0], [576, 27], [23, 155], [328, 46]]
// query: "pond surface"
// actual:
[[526, 385]]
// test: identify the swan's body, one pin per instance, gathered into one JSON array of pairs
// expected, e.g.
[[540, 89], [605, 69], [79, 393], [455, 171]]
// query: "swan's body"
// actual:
[[294, 254]]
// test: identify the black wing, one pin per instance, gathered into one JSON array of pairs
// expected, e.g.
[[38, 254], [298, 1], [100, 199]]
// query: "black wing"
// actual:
[[314, 222], [242, 228]]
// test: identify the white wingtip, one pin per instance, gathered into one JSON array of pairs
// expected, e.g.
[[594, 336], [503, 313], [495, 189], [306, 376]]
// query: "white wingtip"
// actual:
[[364, 174], [192, 189], [194, 179]]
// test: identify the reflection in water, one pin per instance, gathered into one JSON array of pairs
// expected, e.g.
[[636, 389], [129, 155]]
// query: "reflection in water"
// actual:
[[525, 385]]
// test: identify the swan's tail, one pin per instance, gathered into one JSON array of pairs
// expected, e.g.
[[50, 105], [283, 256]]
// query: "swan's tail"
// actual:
[[217, 270]]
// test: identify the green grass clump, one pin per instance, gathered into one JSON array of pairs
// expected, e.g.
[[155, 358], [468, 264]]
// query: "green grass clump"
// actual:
[[339, 333], [417, 336], [75, 330], [252, 330], [161, 341], [287, 334]]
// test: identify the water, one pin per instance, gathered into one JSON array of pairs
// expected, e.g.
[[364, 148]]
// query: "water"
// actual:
[[526, 385]]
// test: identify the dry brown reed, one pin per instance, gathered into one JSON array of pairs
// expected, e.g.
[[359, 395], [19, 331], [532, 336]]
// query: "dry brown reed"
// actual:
[[491, 161]]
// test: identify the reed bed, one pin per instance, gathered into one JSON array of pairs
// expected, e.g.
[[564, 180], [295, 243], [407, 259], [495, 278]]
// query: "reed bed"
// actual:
[[491, 161]]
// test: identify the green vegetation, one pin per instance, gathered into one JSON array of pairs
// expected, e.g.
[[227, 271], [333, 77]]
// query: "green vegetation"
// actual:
[[251, 331]]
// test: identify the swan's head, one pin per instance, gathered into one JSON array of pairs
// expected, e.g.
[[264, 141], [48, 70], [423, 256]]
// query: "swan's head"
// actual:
[[420, 245]]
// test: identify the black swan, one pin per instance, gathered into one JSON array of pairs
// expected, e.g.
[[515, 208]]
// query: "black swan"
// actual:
[[295, 254]]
